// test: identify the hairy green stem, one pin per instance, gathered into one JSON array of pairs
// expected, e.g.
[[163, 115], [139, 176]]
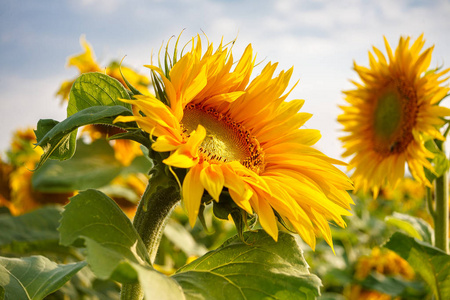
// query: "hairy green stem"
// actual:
[[441, 209], [150, 224]]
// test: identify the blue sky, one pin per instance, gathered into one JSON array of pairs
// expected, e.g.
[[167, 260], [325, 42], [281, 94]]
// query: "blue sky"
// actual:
[[321, 39]]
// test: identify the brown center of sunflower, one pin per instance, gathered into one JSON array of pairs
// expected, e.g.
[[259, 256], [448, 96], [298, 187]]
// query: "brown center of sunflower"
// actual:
[[394, 118], [225, 139]]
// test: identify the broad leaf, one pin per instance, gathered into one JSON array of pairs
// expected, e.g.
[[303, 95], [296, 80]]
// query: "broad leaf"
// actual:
[[415, 227], [114, 248], [430, 262], [58, 139], [34, 231], [96, 89], [95, 217], [92, 166], [34, 277], [255, 269]]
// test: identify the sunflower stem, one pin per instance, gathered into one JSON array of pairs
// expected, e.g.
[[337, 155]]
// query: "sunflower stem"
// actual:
[[431, 209], [150, 224], [441, 210]]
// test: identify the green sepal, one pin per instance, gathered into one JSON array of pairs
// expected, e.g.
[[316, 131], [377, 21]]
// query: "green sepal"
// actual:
[[133, 90], [227, 207], [160, 176]]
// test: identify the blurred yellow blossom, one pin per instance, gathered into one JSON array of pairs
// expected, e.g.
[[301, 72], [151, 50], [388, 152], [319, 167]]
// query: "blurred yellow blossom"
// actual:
[[85, 62]]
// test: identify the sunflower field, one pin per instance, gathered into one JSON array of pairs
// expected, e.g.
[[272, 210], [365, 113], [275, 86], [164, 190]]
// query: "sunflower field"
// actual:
[[200, 180]]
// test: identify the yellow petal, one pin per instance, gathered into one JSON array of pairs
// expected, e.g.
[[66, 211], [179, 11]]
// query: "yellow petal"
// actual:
[[192, 193], [212, 180]]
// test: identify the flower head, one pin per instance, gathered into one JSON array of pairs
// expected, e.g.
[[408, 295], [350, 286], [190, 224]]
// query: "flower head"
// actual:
[[85, 62], [240, 135], [391, 113]]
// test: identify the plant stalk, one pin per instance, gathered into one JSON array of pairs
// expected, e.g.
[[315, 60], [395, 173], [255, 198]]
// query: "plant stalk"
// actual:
[[441, 209], [150, 225]]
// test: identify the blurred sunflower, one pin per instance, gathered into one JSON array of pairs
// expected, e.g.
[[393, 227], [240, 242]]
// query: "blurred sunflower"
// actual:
[[16, 191], [241, 135], [380, 261], [391, 114], [85, 62]]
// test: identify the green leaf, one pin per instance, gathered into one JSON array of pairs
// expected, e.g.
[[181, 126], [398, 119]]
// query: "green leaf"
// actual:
[[114, 248], [92, 166], [61, 148], [430, 262], [96, 218], [59, 141], [34, 231], [415, 227], [255, 269], [34, 277], [440, 161], [96, 89]]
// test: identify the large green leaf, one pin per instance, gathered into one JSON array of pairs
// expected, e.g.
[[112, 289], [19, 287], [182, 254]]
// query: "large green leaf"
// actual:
[[34, 231], [114, 248], [57, 139], [415, 227], [430, 262], [96, 89], [258, 268], [34, 277], [92, 166]]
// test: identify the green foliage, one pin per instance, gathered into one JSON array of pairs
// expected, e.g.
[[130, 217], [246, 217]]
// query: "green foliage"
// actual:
[[96, 89], [440, 161], [252, 269], [33, 277], [58, 142], [114, 248], [431, 263], [394, 286], [32, 232], [415, 227], [92, 166]]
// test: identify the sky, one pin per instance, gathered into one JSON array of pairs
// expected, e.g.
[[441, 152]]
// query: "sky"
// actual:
[[320, 39]]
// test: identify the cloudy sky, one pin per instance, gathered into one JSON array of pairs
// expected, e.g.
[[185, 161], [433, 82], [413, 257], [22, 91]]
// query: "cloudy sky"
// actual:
[[321, 39]]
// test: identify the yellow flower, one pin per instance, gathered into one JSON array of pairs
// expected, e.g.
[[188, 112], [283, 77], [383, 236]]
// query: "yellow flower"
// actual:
[[85, 62], [385, 262], [391, 113], [241, 135], [24, 198], [22, 151], [357, 292]]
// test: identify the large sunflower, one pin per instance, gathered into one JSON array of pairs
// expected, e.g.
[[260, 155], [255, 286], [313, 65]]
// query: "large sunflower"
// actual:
[[391, 113], [241, 135]]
